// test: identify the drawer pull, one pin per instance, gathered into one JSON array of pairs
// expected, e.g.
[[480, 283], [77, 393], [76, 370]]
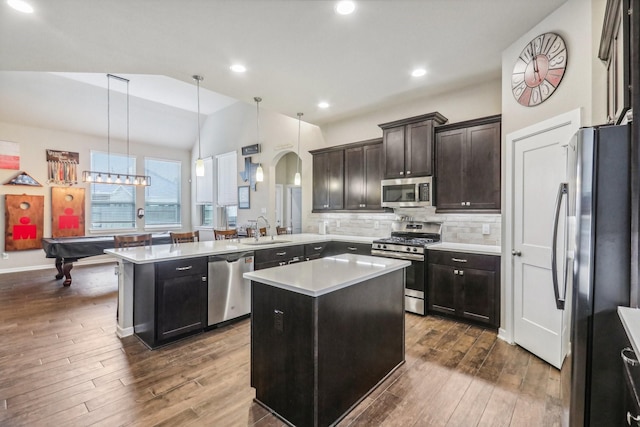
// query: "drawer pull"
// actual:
[[458, 260], [319, 248], [188, 267], [281, 253], [351, 248]]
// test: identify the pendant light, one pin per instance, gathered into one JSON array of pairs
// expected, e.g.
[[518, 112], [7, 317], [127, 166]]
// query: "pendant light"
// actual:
[[199, 161], [297, 179], [259, 171], [122, 178]]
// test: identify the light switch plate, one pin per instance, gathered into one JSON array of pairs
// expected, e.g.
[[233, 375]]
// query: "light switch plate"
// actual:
[[486, 229]]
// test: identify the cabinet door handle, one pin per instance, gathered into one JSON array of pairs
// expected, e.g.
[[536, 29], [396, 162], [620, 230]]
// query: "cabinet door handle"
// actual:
[[408, 172], [188, 267], [458, 260], [468, 203], [319, 248], [629, 357], [461, 273], [461, 203], [281, 253], [455, 272], [516, 253], [351, 248], [401, 173]]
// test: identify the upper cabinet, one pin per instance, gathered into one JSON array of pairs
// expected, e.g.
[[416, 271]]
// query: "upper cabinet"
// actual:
[[328, 179], [362, 176], [408, 146], [468, 166], [347, 177]]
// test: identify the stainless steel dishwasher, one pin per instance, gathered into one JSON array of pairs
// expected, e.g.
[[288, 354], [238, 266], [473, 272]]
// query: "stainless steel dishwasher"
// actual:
[[229, 294]]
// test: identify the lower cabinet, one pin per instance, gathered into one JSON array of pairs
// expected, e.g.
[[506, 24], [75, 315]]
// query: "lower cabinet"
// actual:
[[267, 258], [337, 248], [465, 286], [315, 250], [170, 300]]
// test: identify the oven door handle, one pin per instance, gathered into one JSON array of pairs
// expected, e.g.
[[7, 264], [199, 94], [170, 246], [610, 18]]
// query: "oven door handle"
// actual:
[[397, 255]]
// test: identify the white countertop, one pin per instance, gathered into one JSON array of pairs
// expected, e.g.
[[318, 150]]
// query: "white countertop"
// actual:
[[466, 247], [325, 275], [155, 253], [631, 321]]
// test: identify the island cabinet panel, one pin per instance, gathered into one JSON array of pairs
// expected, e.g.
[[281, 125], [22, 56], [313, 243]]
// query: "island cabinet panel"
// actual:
[[170, 300], [267, 258], [465, 286], [328, 180], [408, 146], [314, 358], [468, 166], [363, 173]]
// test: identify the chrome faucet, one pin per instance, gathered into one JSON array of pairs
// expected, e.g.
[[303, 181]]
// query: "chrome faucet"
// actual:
[[266, 223]]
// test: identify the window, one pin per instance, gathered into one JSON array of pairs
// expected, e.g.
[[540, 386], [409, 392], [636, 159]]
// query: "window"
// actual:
[[206, 214], [112, 206], [162, 197]]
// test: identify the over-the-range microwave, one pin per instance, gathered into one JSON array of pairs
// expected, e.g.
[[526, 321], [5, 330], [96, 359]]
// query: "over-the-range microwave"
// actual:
[[407, 192]]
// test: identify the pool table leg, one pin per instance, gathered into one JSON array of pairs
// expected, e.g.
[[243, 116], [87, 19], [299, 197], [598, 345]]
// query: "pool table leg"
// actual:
[[64, 270]]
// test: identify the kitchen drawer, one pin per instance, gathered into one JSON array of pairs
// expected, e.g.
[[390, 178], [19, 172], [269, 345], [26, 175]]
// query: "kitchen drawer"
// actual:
[[314, 250], [337, 248], [464, 260], [181, 267], [283, 253]]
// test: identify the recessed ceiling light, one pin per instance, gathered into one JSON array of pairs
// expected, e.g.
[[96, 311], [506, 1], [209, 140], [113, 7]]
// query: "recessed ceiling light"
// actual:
[[418, 72], [345, 7], [20, 5], [323, 104], [238, 68]]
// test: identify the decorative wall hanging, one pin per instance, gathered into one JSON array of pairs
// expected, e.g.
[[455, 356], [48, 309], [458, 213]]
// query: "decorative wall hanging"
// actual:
[[67, 212], [62, 167], [23, 178], [23, 222], [249, 173], [9, 155]]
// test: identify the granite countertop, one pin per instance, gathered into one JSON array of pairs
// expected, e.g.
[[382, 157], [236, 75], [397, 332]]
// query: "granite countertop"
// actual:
[[466, 247], [155, 253], [631, 321], [325, 275]]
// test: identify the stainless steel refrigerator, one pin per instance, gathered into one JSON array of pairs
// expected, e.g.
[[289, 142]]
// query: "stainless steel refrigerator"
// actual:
[[601, 269]]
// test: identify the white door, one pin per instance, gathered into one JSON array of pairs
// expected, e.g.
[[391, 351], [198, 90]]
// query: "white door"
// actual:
[[541, 161], [295, 214]]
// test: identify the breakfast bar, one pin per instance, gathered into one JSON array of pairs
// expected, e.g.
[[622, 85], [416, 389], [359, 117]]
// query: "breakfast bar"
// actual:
[[325, 333]]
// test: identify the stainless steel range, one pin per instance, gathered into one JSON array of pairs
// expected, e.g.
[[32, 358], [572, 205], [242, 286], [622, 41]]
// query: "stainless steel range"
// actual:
[[409, 240]]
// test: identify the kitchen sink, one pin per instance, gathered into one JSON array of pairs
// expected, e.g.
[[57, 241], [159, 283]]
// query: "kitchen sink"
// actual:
[[266, 242]]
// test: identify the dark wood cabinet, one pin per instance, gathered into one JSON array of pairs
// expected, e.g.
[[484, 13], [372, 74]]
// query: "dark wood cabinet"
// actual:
[[337, 248], [170, 300], [275, 257], [468, 166], [465, 286], [362, 176], [408, 146], [328, 180], [315, 250]]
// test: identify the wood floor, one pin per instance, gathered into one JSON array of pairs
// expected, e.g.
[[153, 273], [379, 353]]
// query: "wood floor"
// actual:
[[61, 363]]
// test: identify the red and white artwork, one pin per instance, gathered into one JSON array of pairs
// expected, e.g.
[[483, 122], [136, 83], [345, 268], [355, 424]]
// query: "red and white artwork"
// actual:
[[9, 155]]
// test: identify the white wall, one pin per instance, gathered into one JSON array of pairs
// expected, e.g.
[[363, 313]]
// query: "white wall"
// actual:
[[33, 145]]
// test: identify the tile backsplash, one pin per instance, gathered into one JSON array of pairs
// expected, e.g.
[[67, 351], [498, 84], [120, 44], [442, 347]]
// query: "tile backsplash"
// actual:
[[456, 228]]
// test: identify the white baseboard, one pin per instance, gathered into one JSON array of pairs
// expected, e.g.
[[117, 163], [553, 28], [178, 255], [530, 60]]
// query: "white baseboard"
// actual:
[[502, 334], [126, 332]]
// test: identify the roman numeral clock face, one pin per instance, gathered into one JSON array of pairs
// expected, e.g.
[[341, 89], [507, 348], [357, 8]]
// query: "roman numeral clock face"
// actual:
[[539, 69]]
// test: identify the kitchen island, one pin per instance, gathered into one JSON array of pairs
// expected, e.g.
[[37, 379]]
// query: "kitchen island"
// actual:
[[325, 333], [148, 256]]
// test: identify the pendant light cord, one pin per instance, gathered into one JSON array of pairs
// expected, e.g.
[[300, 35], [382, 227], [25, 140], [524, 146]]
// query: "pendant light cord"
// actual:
[[108, 123], [198, 78], [299, 124]]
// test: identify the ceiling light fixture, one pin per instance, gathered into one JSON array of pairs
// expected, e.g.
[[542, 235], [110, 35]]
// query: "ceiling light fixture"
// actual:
[[199, 161], [238, 68], [345, 7], [297, 179], [129, 179], [323, 105], [20, 5], [259, 171], [418, 72]]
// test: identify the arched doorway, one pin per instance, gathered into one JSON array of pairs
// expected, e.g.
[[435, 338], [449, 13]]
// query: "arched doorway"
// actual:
[[288, 197]]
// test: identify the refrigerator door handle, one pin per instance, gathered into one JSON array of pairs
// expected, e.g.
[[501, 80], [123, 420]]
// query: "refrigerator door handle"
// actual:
[[562, 190]]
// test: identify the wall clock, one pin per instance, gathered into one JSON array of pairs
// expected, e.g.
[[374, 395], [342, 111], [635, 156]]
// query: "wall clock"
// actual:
[[539, 69]]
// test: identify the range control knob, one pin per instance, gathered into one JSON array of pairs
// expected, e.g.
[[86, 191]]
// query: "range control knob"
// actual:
[[408, 249], [415, 249]]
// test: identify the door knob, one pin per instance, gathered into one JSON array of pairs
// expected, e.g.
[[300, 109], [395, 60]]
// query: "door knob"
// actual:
[[516, 253]]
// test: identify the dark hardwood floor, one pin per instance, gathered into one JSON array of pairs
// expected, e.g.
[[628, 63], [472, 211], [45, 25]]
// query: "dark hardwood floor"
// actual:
[[61, 363]]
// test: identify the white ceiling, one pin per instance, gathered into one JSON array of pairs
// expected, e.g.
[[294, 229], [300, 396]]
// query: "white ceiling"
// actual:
[[297, 53]]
